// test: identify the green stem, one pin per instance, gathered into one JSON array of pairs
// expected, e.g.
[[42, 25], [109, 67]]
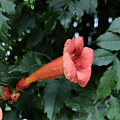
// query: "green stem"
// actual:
[[105, 1], [3, 84], [63, 8], [91, 112], [99, 103]]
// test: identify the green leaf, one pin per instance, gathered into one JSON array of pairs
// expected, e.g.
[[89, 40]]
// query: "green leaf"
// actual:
[[4, 31], [3, 67], [106, 82], [62, 115], [55, 93], [27, 23], [97, 115], [38, 102], [50, 24], [113, 109], [11, 115], [37, 114], [3, 25], [1, 47], [25, 102], [109, 41], [89, 93], [36, 35], [7, 78], [102, 57], [2, 93], [89, 6], [10, 78], [2, 54], [82, 118], [8, 6], [57, 3], [42, 83], [116, 66], [80, 104], [28, 64], [115, 26], [75, 8], [65, 19]]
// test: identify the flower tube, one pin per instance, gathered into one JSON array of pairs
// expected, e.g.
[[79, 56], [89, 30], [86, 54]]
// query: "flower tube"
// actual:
[[75, 63]]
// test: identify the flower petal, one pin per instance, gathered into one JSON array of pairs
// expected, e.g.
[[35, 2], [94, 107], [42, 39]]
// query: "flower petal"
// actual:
[[86, 58], [69, 68], [79, 44], [83, 76], [69, 46], [1, 114]]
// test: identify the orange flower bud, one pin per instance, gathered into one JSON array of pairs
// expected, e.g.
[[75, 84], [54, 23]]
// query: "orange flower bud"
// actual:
[[1, 97], [7, 95], [6, 92], [14, 96], [10, 102], [5, 89], [21, 85]]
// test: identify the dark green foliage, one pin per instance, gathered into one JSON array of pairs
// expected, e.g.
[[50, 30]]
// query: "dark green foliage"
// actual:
[[97, 115], [113, 108], [33, 33], [54, 98], [28, 64], [11, 115]]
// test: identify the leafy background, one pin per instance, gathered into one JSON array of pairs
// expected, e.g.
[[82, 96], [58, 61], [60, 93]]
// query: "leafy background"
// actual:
[[33, 32]]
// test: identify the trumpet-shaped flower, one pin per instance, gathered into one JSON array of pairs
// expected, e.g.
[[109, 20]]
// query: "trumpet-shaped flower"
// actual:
[[75, 63]]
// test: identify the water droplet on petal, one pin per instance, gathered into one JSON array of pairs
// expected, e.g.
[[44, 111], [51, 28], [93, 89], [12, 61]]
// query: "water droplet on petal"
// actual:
[[68, 76]]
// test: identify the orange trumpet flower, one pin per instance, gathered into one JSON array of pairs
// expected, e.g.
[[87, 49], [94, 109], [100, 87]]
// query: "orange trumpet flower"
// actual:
[[75, 63]]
